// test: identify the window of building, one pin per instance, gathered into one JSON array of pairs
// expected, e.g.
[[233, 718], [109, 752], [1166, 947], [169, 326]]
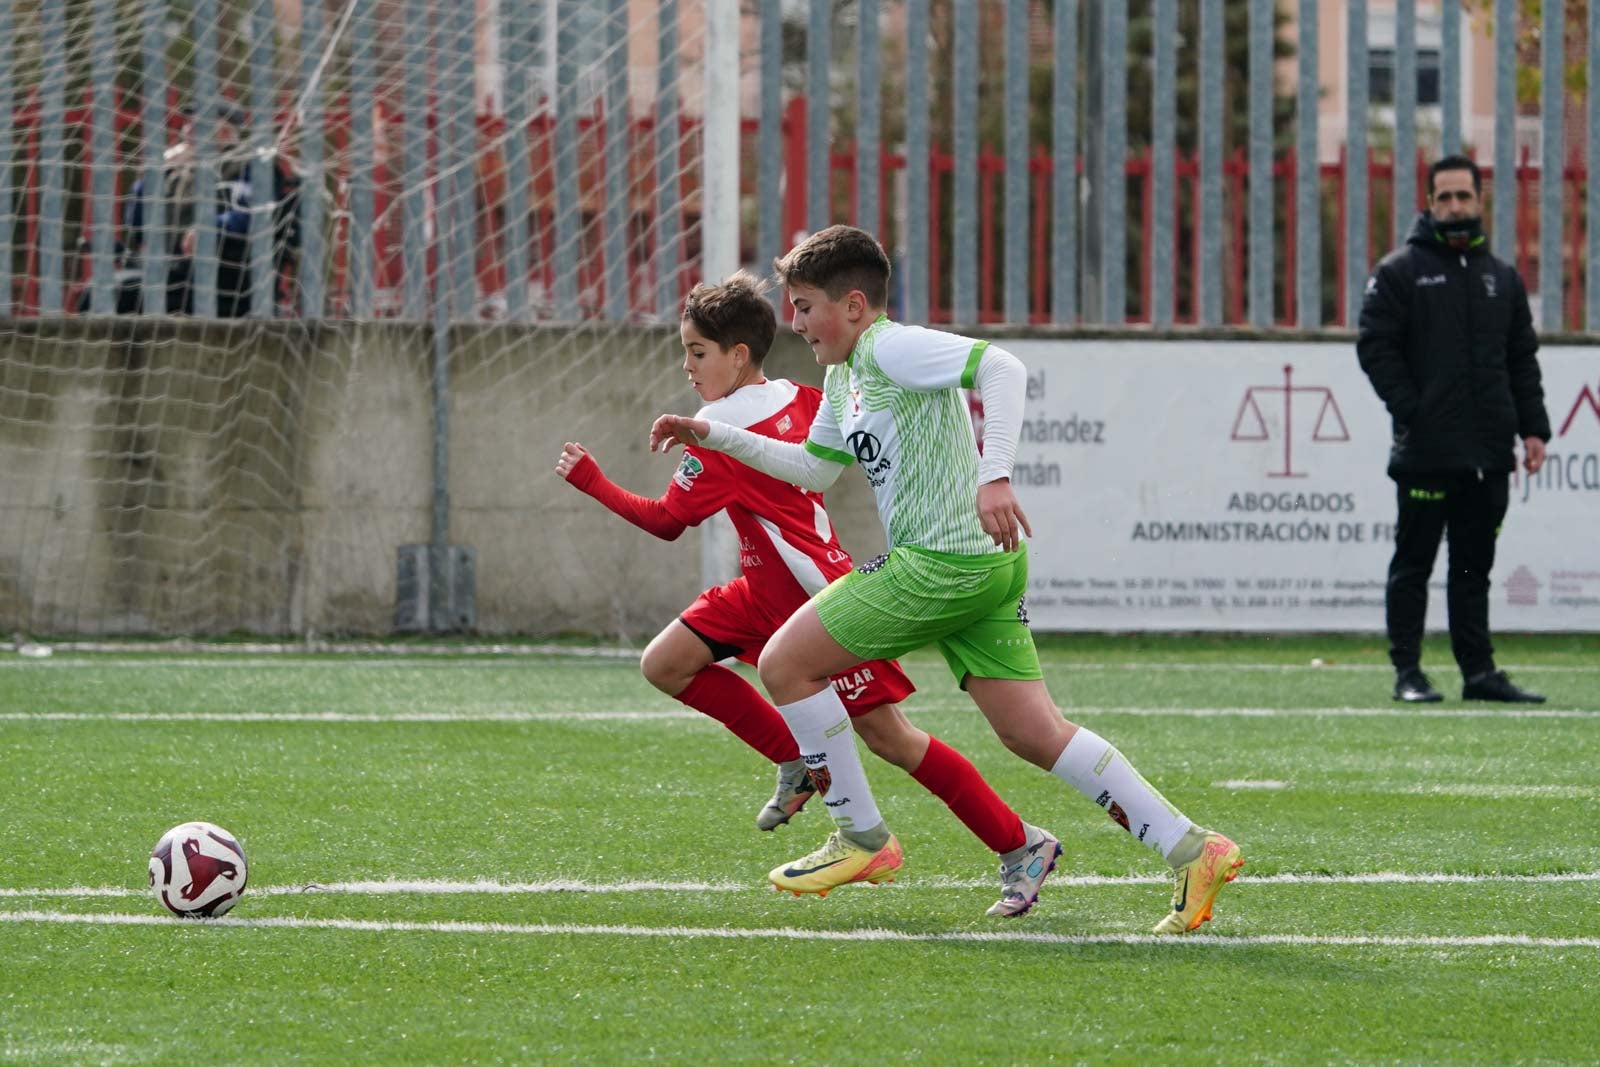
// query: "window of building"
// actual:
[[1381, 72]]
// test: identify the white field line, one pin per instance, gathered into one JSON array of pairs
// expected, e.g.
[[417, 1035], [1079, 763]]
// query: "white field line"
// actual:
[[1058, 881], [1490, 791], [1406, 711], [349, 717], [793, 934], [251, 656], [1482, 790], [343, 661], [386, 652]]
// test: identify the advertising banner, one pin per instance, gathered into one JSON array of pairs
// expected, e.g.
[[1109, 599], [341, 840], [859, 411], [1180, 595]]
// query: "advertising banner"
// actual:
[[1242, 486]]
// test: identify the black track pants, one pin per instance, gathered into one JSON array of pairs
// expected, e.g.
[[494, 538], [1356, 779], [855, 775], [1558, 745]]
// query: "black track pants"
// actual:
[[1468, 509]]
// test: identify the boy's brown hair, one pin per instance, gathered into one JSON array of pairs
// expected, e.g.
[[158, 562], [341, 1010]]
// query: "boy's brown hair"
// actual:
[[732, 312], [837, 260]]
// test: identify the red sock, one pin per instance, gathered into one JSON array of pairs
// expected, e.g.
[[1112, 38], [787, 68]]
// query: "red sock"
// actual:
[[948, 775], [734, 702]]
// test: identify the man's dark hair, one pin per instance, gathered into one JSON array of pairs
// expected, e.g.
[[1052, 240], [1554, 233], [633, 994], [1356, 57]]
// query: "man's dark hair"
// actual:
[[734, 312], [1457, 162], [838, 260]]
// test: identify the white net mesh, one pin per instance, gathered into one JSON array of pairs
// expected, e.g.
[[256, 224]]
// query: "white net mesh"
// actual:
[[234, 229]]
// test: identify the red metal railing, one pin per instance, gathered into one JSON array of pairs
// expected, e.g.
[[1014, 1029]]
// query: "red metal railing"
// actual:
[[491, 229]]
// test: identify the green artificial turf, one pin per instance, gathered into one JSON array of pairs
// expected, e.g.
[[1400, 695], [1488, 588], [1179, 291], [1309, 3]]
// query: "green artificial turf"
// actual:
[[631, 919]]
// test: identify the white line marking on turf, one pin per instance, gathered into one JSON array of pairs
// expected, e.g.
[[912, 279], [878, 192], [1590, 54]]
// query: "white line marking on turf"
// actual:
[[347, 716], [1247, 783], [793, 934], [1503, 792], [451, 888], [341, 653], [928, 707], [387, 652], [420, 888]]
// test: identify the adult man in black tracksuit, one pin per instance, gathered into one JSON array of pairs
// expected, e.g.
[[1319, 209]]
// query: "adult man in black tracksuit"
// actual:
[[1448, 342]]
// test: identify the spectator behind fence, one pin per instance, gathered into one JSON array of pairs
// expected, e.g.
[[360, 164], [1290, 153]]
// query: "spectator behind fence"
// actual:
[[1448, 341], [181, 199]]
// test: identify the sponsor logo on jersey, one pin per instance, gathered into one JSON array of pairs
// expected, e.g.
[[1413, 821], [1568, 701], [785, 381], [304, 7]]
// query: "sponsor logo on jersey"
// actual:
[[869, 453], [784, 424], [1430, 279], [749, 558], [866, 447], [689, 469]]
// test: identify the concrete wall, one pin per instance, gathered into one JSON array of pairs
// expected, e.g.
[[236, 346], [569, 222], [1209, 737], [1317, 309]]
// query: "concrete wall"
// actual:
[[185, 477]]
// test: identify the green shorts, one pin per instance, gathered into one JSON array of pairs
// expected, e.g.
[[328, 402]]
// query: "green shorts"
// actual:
[[970, 606]]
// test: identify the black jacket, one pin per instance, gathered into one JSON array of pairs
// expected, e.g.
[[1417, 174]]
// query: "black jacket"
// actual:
[[1447, 339]]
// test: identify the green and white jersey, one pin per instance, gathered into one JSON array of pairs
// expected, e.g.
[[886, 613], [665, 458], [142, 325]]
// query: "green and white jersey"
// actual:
[[895, 408]]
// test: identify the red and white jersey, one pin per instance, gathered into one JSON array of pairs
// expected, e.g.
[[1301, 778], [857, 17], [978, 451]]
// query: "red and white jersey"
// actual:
[[785, 536]]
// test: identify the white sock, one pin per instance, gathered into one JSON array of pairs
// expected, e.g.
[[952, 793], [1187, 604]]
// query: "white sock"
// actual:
[[1094, 767], [828, 745]]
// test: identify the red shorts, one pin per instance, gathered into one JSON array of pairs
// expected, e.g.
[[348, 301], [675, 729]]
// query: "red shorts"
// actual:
[[736, 624]]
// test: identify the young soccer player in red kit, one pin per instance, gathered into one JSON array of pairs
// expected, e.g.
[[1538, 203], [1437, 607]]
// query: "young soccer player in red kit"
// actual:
[[788, 552]]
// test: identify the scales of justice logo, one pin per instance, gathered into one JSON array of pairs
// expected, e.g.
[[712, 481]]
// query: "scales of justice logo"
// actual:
[[1253, 424]]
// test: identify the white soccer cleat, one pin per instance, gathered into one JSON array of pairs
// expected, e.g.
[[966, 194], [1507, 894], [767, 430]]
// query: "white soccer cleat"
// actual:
[[793, 790], [1023, 871]]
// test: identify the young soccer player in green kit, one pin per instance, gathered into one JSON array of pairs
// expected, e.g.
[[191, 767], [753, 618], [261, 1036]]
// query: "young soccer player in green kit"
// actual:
[[954, 576]]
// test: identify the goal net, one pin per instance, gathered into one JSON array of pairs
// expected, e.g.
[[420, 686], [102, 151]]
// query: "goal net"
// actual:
[[291, 285]]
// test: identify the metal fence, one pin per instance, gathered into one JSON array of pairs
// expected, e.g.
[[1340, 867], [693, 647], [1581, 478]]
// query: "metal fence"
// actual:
[[992, 146]]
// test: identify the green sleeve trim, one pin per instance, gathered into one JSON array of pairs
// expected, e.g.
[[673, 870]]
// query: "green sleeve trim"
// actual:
[[844, 459], [969, 373]]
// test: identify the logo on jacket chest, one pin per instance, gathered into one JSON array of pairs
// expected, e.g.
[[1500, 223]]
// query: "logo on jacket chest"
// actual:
[[1430, 279], [1488, 285]]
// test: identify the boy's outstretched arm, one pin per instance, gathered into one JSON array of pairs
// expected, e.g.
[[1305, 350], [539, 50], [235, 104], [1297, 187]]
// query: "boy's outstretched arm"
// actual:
[[680, 428], [578, 467], [788, 461], [1002, 381]]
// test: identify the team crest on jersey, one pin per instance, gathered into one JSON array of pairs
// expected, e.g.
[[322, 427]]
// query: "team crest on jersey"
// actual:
[[688, 470]]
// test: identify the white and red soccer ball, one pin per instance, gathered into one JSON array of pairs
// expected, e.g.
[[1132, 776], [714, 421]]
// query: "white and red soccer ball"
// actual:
[[197, 870]]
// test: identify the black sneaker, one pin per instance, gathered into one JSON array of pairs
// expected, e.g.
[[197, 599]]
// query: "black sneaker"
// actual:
[[1494, 685], [1413, 687]]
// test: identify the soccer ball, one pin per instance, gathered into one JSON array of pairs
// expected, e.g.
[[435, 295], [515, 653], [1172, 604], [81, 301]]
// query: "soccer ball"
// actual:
[[197, 870]]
